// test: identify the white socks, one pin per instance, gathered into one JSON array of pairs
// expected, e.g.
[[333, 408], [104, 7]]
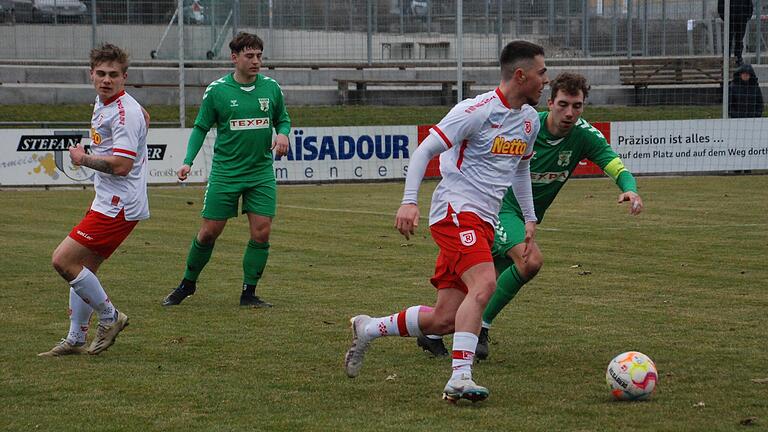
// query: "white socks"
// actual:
[[79, 319], [464, 344], [403, 323], [87, 286]]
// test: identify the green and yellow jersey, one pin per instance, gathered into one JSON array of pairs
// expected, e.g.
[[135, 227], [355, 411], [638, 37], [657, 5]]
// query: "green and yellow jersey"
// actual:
[[555, 159]]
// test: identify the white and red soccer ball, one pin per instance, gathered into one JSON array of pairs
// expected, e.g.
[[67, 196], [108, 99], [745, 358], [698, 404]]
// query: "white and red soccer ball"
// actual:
[[631, 376]]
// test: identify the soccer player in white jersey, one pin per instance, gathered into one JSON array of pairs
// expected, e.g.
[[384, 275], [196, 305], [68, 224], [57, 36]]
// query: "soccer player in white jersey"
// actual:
[[119, 157], [485, 145]]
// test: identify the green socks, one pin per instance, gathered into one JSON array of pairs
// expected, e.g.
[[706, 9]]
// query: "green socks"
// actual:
[[507, 286], [197, 259], [254, 261]]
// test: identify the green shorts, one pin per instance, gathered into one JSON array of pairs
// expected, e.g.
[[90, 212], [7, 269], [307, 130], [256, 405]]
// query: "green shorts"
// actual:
[[222, 199], [510, 231]]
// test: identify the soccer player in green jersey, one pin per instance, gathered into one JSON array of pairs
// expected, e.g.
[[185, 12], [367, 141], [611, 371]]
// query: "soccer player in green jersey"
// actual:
[[245, 107], [564, 140]]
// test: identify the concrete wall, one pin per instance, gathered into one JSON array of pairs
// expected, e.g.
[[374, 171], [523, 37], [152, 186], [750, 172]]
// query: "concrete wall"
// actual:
[[66, 42]]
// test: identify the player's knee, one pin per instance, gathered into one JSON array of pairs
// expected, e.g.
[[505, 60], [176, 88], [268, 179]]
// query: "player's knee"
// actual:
[[207, 237], [482, 291], [533, 266], [260, 236], [61, 264], [443, 324]]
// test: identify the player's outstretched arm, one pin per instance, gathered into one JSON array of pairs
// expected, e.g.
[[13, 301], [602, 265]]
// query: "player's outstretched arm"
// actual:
[[635, 202], [407, 218]]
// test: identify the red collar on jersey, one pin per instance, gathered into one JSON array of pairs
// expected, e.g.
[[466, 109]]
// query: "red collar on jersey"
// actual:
[[502, 98], [114, 98]]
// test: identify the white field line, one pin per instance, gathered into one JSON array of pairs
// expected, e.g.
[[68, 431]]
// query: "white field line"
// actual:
[[540, 228]]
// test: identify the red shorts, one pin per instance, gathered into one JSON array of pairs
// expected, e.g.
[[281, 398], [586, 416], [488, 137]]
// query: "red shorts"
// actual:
[[101, 233], [461, 247]]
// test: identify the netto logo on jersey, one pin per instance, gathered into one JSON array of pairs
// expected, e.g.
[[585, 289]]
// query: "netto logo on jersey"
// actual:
[[252, 123], [515, 147], [31, 143]]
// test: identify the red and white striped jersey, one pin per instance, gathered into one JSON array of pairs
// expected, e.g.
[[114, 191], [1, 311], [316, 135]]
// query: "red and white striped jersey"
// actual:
[[486, 140], [118, 128]]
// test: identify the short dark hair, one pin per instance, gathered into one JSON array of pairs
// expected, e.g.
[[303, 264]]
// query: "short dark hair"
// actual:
[[570, 84], [109, 53], [514, 53], [245, 40]]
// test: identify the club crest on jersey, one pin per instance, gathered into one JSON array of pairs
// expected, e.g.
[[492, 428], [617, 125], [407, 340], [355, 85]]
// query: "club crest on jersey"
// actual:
[[468, 238], [264, 104], [528, 127], [233, 103], [502, 146], [564, 158], [252, 123]]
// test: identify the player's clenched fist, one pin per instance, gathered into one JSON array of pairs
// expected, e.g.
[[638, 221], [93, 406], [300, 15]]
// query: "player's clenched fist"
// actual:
[[407, 219], [280, 145], [183, 172], [76, 154]]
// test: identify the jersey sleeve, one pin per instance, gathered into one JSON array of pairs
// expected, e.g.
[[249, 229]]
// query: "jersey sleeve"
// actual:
[[206, 117], [280, 118], [601, 154], [127, 131], [535, 128], [457, 125]]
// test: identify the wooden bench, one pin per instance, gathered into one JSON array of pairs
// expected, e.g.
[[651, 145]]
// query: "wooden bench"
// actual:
[[644, 72], [361, 85]]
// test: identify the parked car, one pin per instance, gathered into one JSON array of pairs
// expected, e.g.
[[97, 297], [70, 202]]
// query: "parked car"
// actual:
[[49, 10]]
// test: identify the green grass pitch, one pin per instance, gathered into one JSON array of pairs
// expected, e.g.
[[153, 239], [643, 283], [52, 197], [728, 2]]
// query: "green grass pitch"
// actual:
[[684, 283]]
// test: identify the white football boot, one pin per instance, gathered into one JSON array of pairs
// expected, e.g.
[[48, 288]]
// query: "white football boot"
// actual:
[[353, 360], [464, 388]]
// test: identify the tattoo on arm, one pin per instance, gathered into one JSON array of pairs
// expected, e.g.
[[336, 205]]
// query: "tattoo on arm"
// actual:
[[98, 164]]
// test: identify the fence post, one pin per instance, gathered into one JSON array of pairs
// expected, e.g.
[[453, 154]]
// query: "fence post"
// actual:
[[568, 24], [663, 27], [726, 53], [629, 28], [429, 16], [585, 28], [459, 50], [93, 23], [551, 19], [236, 18], [645, 28], [614, 28], [182, 96], [500, 28], [758, 47], [270, 16], [369, 39]]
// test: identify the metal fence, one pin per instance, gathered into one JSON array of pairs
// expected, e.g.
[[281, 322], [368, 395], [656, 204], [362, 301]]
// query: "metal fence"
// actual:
[[371, 30]]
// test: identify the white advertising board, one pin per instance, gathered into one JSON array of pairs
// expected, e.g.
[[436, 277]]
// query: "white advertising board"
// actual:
[[676, 146], [39, 157]]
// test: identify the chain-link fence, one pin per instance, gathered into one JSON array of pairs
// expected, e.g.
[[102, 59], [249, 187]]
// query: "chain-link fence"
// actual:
[[371, 30]]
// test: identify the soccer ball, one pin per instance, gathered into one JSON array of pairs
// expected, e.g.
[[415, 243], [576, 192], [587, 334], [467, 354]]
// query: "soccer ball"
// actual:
[[631, 376]]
